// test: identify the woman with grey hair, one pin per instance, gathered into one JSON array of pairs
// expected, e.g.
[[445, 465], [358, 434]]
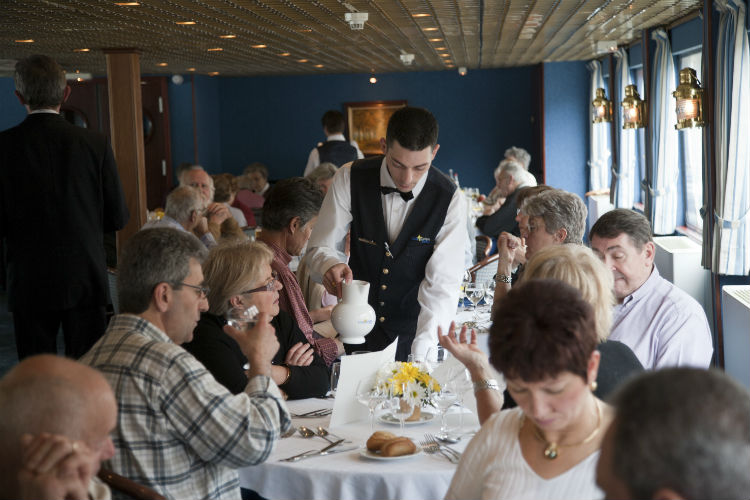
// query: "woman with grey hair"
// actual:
[[322, 175], [239, 275]]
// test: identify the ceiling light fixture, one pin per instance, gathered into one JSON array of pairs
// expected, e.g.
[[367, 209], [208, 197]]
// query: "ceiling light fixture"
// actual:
[[633, 115], [81, 50], [602, 110], [421, 15], [429, 29], [259, 46], [462, 70], [606, 46], [27, 40], [127, 4], [318, 66], [161, 64], [302, 60], [356, 20], [445, 55], [689, 95], [185, 23], [285, 54], [436, 39], [213, 73], [191, 69], [227, 36], [215, 49], [373, 79], [407, 59]]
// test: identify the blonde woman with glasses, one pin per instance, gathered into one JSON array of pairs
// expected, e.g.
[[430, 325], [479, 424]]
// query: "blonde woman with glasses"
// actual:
[[239, 275]]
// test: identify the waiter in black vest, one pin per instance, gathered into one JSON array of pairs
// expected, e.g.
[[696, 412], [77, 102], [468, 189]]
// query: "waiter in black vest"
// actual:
[[336, 149], [408, 233]]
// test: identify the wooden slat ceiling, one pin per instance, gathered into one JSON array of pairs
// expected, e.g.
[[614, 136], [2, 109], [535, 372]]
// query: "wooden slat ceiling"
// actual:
[[307, 37]]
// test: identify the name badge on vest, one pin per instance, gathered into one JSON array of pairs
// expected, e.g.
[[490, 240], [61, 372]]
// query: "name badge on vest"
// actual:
[[421, 239]]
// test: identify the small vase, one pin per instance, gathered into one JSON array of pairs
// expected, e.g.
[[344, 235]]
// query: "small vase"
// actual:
[[353, 317], [416, 414]]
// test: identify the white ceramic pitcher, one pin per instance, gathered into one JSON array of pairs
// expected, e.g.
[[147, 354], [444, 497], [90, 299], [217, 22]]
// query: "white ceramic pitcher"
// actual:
[[353, 317]]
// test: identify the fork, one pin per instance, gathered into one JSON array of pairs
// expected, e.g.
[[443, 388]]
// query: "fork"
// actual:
[[431, 439], [431, 448]]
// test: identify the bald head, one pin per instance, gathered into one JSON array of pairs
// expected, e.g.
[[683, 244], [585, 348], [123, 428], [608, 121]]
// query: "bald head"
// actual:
[[47, 393]]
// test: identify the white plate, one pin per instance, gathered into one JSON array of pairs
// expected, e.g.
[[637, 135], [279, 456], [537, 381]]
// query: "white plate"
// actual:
[[364, 452], [387, 418]]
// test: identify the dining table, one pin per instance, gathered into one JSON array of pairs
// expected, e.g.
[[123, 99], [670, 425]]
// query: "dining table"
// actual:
[[354, 473]]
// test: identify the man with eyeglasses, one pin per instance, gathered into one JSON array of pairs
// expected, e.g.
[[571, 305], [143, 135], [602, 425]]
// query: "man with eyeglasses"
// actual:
[[179, 431], [408, 236], [186, 211]]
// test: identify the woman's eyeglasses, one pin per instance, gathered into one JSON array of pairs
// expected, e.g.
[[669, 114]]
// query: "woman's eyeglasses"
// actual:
[[268, 287]]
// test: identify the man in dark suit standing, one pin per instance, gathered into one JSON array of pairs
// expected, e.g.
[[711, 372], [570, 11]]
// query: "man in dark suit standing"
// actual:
[[59, 193]]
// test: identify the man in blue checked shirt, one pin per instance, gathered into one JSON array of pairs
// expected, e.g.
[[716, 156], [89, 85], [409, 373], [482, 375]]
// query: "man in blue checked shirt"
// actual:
[[179, 431]]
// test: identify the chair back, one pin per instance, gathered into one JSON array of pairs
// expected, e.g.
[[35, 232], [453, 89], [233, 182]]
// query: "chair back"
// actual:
[[484, 245], [128, 486], [484, 270]]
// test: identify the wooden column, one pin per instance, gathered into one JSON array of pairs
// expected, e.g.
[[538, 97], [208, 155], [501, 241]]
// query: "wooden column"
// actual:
[[126, 124]]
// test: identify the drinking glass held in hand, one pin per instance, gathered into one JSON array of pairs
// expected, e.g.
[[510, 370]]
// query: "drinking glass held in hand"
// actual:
[[371, 397], [400, 406], [243, 319]]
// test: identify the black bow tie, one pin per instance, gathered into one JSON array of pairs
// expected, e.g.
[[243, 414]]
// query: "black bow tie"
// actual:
[[388, 190]]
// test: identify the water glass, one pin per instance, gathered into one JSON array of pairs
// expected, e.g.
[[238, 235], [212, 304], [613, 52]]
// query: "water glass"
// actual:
[[242, 319], [446, 397], [335, 372], [371, 397]]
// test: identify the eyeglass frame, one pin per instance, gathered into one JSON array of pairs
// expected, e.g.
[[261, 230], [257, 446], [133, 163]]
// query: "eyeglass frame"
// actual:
[[268, 287], [202, 290]]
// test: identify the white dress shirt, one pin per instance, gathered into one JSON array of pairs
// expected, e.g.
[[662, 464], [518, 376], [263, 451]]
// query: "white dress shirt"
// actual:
[[438, 292], [313, 159]]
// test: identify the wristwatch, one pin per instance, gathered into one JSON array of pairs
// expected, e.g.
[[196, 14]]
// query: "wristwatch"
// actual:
[[502, 278]]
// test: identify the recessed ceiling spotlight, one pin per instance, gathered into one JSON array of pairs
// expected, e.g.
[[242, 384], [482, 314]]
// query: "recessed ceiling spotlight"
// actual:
[[421, 15], [185, 23], [213, 73], [373, 79], [161, 64], [285, 54], [441, 48], [436, 39], [259, 46], [127, 4], [191, 69], [27, 40], [81, 50], [445, 55], [302, 60], [318, 65], [227, 36], [215, 49], [429, 29]]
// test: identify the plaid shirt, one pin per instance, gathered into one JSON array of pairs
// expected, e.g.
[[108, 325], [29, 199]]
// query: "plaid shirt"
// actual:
[[292, 301], [179, 431]]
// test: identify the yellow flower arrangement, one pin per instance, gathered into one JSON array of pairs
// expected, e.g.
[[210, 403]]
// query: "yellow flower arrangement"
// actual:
[[414, 378]]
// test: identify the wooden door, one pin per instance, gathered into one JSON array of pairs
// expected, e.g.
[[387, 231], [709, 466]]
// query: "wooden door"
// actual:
[[88, 106]]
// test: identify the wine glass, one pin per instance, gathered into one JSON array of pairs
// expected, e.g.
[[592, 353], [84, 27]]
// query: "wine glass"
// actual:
[[371, 397], [242, 319], [446, 397], [435, 356], [489, 292], [475, 293], [400, 406]]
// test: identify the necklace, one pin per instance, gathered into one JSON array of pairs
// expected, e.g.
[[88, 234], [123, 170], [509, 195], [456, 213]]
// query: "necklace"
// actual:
[[552, 450]]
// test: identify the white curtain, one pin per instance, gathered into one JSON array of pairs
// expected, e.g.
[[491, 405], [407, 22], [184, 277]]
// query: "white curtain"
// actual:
[[600, 150], [625, 170], [664, 180], [731, 248]]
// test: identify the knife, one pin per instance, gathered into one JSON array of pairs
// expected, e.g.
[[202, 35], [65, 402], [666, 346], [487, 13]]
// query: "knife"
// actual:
[[322, 453], [313, 453]]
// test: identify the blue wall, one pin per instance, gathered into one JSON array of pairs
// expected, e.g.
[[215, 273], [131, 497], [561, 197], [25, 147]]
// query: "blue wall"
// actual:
[[11, 111], [566, 125], [276, 120]]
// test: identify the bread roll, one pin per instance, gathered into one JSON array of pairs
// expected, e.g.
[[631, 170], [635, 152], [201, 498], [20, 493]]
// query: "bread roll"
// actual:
[[397, 447], [378, 439]]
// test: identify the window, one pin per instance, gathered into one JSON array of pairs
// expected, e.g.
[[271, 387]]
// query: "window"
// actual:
[[691, 154]]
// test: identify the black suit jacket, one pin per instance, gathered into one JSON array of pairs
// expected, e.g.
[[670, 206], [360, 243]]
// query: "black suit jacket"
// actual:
[[59, 192]]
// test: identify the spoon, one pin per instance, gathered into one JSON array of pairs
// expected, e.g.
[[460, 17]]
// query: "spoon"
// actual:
[[306, 433], [323, 432]]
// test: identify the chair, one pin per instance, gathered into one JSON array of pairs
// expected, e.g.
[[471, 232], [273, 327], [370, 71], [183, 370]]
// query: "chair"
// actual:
[[484, 270], [484, 245], [128, 486]]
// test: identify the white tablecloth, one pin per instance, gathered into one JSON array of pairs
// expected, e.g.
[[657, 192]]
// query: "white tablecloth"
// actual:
[[348, 475]]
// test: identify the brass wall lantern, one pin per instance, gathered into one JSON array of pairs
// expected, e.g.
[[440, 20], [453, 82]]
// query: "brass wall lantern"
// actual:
[[689, 95], [633, 109], [602, 111]]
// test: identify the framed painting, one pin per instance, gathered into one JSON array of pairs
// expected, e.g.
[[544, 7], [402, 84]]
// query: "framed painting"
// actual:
[[368, 121]]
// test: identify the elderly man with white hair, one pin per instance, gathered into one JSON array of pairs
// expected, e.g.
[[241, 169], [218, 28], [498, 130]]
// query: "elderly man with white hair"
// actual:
[[220, 220], [185, 212], [510, 176]]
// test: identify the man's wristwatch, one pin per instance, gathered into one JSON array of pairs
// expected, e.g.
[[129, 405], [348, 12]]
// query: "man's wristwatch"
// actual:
[[502, 278]]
